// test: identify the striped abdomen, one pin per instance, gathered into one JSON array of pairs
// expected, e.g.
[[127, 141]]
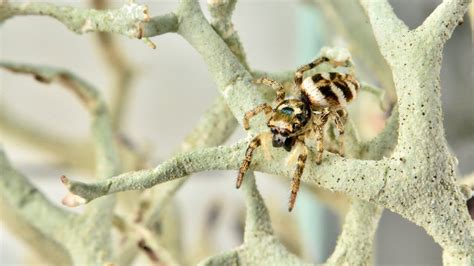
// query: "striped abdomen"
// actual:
[[331, 89]]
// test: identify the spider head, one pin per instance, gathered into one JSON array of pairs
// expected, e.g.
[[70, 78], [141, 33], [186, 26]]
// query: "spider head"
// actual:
[[288, 120]]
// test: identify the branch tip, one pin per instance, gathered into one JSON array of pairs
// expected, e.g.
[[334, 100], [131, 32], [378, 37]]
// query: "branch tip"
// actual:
[[151, 254], [65, 180], [146, 15], [149, 43], [73, 200]]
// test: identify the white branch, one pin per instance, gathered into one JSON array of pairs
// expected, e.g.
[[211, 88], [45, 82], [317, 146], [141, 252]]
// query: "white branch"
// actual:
[[388, 28], [440, 24]]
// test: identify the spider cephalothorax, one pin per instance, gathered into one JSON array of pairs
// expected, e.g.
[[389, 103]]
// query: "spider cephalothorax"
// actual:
[[288, 120], [322, 96]]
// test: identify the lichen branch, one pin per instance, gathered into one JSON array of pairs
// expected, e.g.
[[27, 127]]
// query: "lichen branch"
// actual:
[[259, 244], [82, 248], [89, 96], [233, 80], [128, 20], [27, 211], [417, 180], [427, 168], [349, 19], [354, 245], [161, 24], [121, 70], [13, 128], [440, 24], [257, 218], [29, 202], [359, 178], [221, 13], [387, 27], [215, 126]]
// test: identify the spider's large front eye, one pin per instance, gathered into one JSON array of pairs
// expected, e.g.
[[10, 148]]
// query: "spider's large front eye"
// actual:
[[301, 117], [274, 131], [287, 110]]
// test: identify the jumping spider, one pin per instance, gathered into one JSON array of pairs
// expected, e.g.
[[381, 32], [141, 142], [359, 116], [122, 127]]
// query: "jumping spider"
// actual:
[[322, 96]]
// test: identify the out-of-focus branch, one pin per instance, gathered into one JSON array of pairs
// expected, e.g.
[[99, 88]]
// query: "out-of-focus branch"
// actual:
[[348, 18], [355, 244], [76, 153], [145, 241], [221, 14], [471, 19], [119, 67], [46, 74], [257, 222], [385, 23], [233, 80], [259, 239], [27, 211], [215, 126], [122, 76], [84, 248], [64, 150], [89, 98]]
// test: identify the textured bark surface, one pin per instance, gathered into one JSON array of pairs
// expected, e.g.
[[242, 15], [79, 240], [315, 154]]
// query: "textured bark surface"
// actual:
[[408, 168]]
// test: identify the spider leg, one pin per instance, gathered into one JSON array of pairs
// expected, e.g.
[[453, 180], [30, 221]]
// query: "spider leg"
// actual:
[[278, 87], [295, 182], [340, 119], [262, 107], [300, 71], [254, 143], [319, 124]]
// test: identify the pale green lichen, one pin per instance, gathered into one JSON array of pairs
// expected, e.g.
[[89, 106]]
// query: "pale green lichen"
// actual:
[[260, 245], [214, 127], [416, 180], [348, 18], [85, 238], [128, 20], [376, 181]]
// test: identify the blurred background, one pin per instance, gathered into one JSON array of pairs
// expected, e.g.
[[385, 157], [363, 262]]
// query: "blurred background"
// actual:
[[172, 88]]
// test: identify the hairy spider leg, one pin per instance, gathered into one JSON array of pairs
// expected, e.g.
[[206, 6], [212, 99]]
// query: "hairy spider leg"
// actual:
[[254, 143], [278, 87], [316, 62], [319, 124], [265, 107], [340, 119], [300, 71], [295, 182]]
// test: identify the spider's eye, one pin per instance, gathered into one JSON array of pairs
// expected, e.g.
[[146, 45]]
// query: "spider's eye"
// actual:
[[274, 131], [287, 110], [301, 117]]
